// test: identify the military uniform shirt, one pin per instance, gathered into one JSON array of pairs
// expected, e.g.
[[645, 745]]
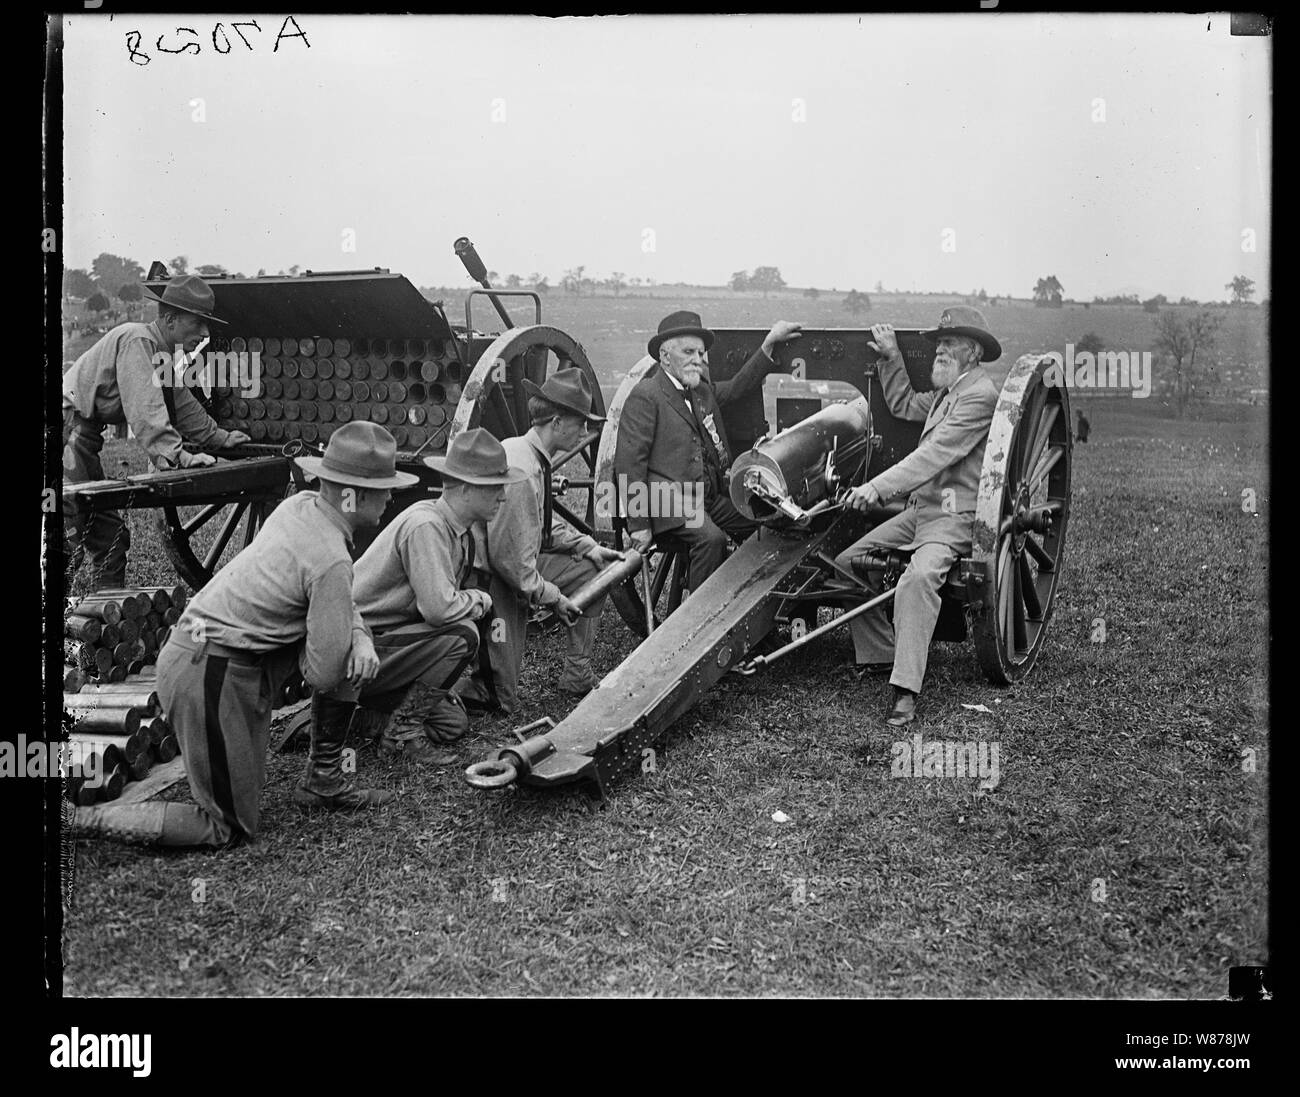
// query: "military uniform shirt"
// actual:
[[293, 581], [113, 382]]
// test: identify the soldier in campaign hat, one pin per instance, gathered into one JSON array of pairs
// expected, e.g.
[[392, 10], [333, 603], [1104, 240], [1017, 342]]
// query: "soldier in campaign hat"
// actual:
[[283, 604], [117, 381], [537, 559], [417, 588]]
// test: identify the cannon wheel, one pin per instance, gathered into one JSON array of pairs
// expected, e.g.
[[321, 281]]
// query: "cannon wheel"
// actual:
[[493, 397], [1020, 519], [196, 541], [667, 565]]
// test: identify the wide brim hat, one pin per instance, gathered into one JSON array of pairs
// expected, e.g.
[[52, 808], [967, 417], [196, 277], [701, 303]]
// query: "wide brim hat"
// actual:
[[189, 293], [476, 457], [675, 324], [964, 320], [567, 389], [359, 454]]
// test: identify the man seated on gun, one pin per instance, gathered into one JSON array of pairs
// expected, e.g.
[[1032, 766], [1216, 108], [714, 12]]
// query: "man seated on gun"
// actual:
[[941, 478], [671, 433]]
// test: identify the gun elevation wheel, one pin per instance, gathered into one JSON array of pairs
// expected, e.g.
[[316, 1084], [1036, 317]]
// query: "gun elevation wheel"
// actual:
[[494, 397], [1020, 519]]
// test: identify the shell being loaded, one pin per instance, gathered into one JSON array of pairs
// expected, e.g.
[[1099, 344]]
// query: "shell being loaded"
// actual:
[[609, 577], [784, 475]]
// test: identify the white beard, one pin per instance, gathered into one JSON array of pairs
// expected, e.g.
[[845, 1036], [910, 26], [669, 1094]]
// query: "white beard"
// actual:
[[942, 377]]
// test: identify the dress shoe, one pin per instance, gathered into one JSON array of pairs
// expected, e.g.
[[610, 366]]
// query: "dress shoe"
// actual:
[[904, 710], [873, 670]]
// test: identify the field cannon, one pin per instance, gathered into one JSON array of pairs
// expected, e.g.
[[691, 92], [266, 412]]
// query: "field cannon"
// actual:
[[335, 346], [326, 348], [812, 434]]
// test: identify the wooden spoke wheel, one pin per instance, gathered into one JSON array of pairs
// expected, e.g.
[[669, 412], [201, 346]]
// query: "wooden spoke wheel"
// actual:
[[1020, 519], [199, 539], [493, 396], [667, 563]]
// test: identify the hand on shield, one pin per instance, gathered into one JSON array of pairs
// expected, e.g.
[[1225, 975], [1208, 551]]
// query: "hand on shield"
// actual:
[[883, 340]]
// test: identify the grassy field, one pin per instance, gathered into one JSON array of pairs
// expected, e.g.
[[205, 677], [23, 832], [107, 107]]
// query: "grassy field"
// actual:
[[1124, 852], [614, 330]]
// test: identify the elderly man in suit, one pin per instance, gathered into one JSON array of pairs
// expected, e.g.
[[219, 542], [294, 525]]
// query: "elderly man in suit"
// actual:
[[941, 477], [672, 456]]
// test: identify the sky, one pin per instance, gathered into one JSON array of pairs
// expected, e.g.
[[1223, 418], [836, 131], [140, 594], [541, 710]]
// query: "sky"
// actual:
[[1121, 153]]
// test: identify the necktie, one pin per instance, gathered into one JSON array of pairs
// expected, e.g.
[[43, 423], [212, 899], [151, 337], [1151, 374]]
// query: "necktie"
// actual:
[[548, 490], [467, 554]]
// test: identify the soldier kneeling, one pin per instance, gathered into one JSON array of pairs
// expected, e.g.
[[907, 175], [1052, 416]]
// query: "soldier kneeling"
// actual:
[[284, 603], [412, 588]]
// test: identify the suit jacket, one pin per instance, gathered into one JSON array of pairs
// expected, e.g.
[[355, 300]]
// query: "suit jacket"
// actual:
[[670, 456], [942, 474]]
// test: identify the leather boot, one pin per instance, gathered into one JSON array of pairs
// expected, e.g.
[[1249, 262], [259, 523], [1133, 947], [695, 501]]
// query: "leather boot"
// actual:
[[324, 784], [427, 718], [369, 723], [137, 824], [446, 720], [148, 823]]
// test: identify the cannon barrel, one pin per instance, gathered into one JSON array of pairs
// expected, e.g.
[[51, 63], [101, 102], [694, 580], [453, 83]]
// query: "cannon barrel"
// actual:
[[787, 473], [478, 271], [598, 585], [468, 255]]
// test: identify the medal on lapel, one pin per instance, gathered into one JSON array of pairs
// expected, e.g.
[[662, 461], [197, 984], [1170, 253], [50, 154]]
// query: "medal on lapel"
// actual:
[[718, 444]]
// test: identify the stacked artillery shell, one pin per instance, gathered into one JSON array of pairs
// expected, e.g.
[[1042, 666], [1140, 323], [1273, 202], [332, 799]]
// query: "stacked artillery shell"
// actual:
[[115, 632], [118, 731], [113, 750], [311, 384], [163, 746]]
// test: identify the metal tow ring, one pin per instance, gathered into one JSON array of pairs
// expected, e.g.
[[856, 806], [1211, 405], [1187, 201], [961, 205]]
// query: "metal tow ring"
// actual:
[[497, 772], [494, 773]]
